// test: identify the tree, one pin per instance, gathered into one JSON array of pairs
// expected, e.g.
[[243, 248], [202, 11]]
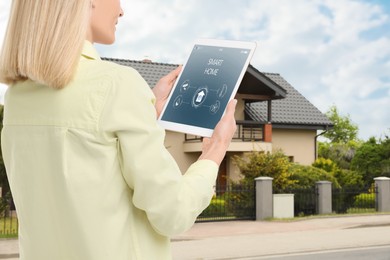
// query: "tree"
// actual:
[[306, 176], [252, 165], [340, 153], [372, 159], [345, 178], [344, 130], [275, 165], [3, 176]]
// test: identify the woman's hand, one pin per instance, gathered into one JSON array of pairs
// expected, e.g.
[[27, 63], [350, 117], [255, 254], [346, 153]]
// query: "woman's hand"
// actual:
[[214, 148], [163, 88]]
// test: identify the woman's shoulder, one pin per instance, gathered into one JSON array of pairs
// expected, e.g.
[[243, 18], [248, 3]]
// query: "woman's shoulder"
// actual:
[[111, 71], [104, 67]]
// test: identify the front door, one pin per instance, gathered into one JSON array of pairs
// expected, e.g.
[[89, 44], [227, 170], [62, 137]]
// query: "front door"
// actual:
[[222, 177]]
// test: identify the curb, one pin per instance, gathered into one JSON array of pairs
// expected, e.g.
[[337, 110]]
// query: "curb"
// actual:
[[8, 256]]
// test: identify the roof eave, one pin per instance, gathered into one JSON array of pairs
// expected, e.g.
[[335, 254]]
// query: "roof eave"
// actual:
[[279, 91], [302, 126]]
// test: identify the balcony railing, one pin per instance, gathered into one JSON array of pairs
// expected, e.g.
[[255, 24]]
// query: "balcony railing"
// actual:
[[247, 131]]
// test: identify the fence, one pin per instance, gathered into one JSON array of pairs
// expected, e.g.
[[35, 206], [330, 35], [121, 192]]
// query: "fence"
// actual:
[[238, 202], [354, 200], [8, 219], [231, 202], [305, 201], [346, 200]]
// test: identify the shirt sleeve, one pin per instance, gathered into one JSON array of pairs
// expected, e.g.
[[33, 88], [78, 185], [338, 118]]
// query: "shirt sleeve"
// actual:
[[171, 201]]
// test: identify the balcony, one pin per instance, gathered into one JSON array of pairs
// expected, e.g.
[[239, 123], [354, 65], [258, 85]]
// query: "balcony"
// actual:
[[249, 136], [247, 131]]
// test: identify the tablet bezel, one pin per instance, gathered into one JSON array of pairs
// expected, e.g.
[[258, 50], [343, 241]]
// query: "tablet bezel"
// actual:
[[196, 130]]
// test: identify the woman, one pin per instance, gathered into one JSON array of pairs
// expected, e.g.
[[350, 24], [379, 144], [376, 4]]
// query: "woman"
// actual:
[[85, 158]]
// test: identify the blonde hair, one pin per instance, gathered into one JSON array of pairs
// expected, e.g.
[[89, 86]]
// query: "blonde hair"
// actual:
[[44, 40]]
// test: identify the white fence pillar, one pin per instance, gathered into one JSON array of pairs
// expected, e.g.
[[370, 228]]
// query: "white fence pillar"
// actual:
[[324, 199], [382, 185], [264, 198]]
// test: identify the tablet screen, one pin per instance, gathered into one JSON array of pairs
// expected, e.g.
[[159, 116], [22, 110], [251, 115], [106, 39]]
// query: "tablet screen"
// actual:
[[206, 85]]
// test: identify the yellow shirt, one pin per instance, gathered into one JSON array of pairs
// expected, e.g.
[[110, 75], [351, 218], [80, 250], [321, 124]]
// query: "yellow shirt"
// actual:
[[89, 172]]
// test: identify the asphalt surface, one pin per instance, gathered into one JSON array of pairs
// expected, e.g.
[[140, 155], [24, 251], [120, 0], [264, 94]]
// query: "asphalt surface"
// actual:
[[369, 253]]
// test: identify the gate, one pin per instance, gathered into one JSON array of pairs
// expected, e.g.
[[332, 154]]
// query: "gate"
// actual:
[[231, 202]]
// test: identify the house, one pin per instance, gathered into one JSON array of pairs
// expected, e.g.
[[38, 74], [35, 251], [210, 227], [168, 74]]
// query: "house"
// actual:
[[270, 115]]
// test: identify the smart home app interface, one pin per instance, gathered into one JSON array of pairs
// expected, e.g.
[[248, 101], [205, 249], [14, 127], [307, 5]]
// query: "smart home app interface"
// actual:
[[205, 86]]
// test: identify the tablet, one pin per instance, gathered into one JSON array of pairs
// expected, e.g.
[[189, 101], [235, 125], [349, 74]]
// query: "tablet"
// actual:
[[208, 81]]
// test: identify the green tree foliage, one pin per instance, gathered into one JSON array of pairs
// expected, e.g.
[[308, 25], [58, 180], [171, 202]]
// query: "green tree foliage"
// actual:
[[372, 159], [325, 164], [340, 153], [252, 165], [305, 176], [349, 179], [359, 162], [344, 130], [345, 178], [275, 165], [3, 176], [6, 193]]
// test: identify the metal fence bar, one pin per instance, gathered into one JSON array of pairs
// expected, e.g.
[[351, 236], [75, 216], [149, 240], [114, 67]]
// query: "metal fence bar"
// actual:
[[353, 200], [376, 196], [246, 132], [305, 201], [8, 220], [231, 202]]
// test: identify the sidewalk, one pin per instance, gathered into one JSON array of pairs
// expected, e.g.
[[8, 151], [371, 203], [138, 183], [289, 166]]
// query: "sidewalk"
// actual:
[[9, 249], [251, 239]]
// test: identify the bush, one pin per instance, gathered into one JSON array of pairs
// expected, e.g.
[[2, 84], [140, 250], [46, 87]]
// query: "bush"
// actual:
[[364, 200], [275, 165], [215, 208], [305, 177], [241, 199], [5, 204], [325, 164]]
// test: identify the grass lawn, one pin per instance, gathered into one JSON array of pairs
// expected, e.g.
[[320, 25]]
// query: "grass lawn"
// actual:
[[8, 227], [361, 210]]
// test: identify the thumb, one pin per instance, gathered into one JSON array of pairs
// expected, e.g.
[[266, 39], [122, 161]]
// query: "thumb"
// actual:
[[231, 108], [173, 74]]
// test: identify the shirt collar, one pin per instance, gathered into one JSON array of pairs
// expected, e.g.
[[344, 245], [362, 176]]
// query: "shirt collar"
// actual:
[[89, 51]]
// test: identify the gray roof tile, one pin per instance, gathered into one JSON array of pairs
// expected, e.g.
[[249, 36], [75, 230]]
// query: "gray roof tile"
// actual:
[[150, 71], [293, 110]]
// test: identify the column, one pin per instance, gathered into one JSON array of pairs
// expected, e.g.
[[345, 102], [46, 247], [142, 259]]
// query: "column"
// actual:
[[264, 198], [324, 199], [382, 185]]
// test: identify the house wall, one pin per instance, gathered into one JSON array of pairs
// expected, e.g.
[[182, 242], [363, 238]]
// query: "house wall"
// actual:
[[299, 144], [240, 107], [174, 142]]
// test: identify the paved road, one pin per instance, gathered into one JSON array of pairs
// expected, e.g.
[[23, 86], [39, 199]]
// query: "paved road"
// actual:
[[371, 253]]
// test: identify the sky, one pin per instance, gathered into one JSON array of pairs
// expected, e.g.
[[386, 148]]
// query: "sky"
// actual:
[[334, 52]]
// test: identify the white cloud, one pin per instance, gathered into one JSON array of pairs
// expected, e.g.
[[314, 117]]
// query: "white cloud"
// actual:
[[324, 48], [4, 11]]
